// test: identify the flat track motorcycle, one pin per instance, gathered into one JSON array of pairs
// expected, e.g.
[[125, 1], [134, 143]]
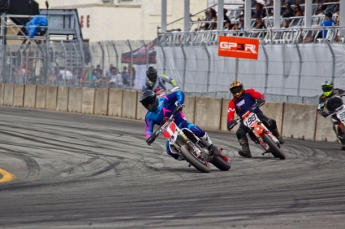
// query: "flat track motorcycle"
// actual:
[[340, 113], [184, 142], [260, 134]]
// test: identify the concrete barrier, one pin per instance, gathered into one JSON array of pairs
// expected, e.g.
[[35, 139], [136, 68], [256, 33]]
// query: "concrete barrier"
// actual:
[[274, 111], [88, 100], [2, 90], [141, 110], [324, 130], [30, 96], [299, 121], [51, 97], [40, 97], [101, 101], [129, 104], [62, 98], [189, 109], [8, 94], [208, 113], [75, 99], [115, 102], [18, 95]]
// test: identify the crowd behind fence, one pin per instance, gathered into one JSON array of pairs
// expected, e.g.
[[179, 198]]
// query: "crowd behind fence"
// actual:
[[284, 72]]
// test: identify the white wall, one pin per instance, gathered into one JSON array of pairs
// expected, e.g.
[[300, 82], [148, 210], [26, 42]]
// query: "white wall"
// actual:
[[125, 21]]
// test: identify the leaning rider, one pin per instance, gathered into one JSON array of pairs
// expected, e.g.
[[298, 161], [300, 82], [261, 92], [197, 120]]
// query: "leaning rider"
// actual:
[[242, 102], [331, 100], [160, 108], [155, 82]]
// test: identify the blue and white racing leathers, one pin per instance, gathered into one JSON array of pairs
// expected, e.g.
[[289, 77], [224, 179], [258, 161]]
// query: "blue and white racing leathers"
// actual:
[[166, 105]]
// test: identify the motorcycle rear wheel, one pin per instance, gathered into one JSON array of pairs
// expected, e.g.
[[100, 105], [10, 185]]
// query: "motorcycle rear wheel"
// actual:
[[194, 161], [273, 147]]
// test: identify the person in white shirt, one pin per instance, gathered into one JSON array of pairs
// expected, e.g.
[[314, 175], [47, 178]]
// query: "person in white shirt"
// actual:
[[115, 78]]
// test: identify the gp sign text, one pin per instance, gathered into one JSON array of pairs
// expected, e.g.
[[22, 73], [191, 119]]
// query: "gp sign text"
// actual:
[[238, 47]]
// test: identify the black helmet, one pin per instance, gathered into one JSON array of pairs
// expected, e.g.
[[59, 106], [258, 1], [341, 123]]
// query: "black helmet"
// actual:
[[149, 100], [151, 74], [327, 88]]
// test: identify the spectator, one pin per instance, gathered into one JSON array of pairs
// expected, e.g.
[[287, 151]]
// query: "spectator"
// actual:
[[322, 33], [288, 1], [97, 79], [337, 23], [227, 23], [214, 19], [206, 25], [288, 11], [67, 75], [132, 74], [286, 23], [107, 72], [259, 11], [239, 25], [125, 76], [83, 74], [298, 10], [57, 74], [327, 22], [259, 23], [116, 78], [98, 69]]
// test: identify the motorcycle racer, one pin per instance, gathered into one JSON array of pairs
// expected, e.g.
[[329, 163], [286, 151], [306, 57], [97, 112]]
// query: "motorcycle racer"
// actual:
[[242, 102], [160, 108], [331, 100], [156, 82]]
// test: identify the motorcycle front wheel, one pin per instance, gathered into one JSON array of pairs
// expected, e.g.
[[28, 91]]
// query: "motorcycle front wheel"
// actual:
[[275, 150], [222, 162], [197, 163]]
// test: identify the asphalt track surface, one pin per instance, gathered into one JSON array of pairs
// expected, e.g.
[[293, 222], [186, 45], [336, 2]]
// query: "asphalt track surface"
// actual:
[[83, 171]]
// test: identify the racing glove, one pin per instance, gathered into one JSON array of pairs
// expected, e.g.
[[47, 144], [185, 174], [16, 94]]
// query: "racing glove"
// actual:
[[323, 113], [260, 102], [231, 124]]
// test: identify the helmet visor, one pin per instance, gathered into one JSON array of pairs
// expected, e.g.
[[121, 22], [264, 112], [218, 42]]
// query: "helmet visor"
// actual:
[[150, 103], [327, 89], [236, 90], [152, 77]]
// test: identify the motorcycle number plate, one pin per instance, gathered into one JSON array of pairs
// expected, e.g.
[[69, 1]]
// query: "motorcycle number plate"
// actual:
[[169, 130], [341, 115], [251, 120]]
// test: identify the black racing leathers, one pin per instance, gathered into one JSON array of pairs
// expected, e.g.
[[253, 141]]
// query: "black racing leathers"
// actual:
[[331, 103]]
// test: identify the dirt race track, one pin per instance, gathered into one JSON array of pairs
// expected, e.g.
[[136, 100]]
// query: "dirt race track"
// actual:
[[83, 171]]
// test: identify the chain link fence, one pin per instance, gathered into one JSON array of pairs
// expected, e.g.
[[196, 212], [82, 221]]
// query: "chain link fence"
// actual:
[[284, 72]]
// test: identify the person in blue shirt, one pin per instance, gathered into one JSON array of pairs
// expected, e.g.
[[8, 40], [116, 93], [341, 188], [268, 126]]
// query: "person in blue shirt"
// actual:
[[327, 22], [160, 108]]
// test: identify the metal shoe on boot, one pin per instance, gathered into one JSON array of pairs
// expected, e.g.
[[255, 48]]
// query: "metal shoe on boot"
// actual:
[[278, 136], [342, 144], [214, 149], [245, 152]]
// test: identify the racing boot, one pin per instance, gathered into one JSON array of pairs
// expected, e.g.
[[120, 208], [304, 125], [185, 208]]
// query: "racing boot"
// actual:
[[210, 147], [342, 143], [278, 136], [245, 152]]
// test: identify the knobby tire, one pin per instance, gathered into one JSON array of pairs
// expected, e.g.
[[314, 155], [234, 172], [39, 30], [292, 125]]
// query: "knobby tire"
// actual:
[[275, 150]]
